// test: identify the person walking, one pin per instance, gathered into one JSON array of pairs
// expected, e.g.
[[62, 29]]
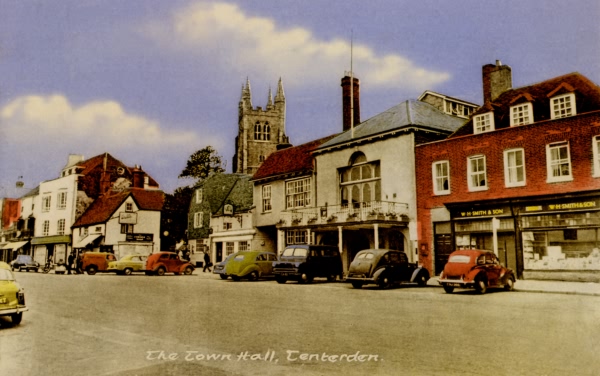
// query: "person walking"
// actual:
[[207, 263], [70, 261]]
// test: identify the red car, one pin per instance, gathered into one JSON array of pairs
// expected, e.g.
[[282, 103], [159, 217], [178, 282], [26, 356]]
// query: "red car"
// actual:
[[478, 269], [167, 262]]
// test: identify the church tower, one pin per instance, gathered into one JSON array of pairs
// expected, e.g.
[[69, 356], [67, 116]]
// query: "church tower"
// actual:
[[260, 132]]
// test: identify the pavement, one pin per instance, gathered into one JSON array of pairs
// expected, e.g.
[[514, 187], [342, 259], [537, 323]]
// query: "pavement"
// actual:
[[522, 285], [556, 287]]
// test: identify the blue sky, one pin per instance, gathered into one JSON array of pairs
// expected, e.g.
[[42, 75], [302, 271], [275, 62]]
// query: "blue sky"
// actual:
[[152, 81]]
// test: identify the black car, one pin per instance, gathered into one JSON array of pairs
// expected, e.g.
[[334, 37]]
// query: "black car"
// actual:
[[24, 262], [384, 267], [304, 262]]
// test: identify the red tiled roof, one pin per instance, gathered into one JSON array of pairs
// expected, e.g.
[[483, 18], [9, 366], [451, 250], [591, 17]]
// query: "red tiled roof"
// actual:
[[105, 206], [587, 98], [292, 160]]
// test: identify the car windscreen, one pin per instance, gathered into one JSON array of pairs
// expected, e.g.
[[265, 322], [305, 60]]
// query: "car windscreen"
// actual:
[[6, 275], [296, 252], [460, 259]]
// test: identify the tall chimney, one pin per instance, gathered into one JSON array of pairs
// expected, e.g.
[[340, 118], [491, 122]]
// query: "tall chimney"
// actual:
[[346, 107], [496, 80]]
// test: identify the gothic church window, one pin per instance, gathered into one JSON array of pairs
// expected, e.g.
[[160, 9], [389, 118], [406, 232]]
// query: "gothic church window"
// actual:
[[262, 132]]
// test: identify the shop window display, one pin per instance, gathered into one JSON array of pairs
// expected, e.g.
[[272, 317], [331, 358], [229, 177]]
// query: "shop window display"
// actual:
[[562, 249]]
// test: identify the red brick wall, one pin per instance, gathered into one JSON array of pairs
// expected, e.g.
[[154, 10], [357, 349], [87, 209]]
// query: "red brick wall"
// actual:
[[533, 138]]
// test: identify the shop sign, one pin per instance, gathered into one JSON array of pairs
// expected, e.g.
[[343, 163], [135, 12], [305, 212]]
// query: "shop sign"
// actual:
[[128, 218], [482, 212], [139, 237], [559, 206]]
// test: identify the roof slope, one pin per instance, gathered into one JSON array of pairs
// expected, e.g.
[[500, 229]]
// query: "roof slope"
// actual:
[[292, 160], [409, 113], [104, 207], [587, 98]]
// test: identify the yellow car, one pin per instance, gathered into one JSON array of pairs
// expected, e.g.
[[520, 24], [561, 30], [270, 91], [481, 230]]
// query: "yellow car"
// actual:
[[128, 264], [12, 297]]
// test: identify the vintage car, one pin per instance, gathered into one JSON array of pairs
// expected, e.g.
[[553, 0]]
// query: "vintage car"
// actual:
[[167, 262], [12, 297], [478, 269], [24, 262], [384, 267], [304, 262], [93, 262], [219, 267], [128, 264], [251, 265]]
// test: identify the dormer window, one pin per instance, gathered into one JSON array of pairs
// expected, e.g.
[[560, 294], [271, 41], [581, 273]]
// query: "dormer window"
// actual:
[[521, 114], [483, 123], [562, 106]]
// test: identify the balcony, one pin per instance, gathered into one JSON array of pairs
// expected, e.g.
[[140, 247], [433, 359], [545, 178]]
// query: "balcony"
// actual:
[[372, 211]]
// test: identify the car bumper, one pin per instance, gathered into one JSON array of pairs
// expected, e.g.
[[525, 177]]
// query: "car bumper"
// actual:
[[364, 280], [287, 273], [10, 311]]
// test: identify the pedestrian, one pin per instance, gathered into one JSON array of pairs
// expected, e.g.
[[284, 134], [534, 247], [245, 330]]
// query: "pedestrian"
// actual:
[[79, 262], [70, 260], [207, 263]]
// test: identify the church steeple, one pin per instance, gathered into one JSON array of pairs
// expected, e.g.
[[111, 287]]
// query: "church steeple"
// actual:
[[270, 100], [280, 96]]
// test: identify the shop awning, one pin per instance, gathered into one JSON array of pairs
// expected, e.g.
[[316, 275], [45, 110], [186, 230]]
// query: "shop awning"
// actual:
[[51, 239], [85, 241], [14, 245]]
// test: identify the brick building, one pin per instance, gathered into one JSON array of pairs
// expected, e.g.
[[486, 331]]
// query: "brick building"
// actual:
[[521, 177]]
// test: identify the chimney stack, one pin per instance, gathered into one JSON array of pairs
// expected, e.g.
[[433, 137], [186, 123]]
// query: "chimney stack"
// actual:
[[496, 80], [138, 177], [346, 107]]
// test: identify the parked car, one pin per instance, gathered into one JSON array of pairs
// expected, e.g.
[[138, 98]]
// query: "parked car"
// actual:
[[93, 262], [304, 262], [251, 264], [219, 267], [128, 264], [478, 269], [384, 267], [167, 262], [24, 262], [12, 296]]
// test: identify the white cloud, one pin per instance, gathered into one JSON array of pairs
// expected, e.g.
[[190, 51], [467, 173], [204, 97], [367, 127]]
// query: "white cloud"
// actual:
[[225, 32], [39, 132]]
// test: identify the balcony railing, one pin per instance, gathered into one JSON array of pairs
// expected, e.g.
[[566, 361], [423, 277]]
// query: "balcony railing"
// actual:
[[346, 213]]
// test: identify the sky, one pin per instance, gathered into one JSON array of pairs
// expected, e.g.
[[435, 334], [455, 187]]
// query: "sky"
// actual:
[[153, 81]]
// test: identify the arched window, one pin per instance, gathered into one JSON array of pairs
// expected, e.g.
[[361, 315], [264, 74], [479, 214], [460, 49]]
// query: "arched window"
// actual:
[[257, 131], [267, 132], [360, 182]]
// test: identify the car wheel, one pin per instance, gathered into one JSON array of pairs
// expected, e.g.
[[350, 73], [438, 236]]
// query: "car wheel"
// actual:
[[253, 276], [422, 279], [235, 278], [223, 276], [188, 270], [448, 289], [16, 318], [91, 270], [127, 271], [481, 285], [160, 271], [384, 282], [510, 284], [305, 278], [281, 279], [357, 285]]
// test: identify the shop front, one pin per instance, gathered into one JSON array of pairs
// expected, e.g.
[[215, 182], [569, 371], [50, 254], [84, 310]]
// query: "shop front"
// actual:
[[490, 227], [56, 248], [561, 238]]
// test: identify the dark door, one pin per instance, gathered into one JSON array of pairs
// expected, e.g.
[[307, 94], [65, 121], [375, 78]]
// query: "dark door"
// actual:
[[219, 251], [443, 249]]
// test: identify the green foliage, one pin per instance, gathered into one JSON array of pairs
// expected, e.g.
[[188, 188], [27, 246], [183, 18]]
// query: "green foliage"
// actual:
[[202, 163]]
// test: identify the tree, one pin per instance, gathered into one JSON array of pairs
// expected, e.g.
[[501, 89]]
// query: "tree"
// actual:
[[202, 163], [174, 218]]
